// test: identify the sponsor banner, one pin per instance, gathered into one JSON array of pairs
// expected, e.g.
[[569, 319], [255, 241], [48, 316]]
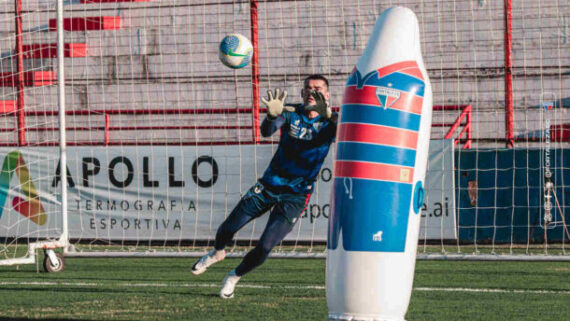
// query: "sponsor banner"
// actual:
[[438, 213], [160, 192]]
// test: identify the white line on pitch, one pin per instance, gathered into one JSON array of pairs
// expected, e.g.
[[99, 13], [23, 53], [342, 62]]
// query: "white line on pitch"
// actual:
[[256, 286], [491, 290]]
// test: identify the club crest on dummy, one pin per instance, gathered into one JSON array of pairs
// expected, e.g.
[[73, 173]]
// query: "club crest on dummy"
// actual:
[[387, 96]]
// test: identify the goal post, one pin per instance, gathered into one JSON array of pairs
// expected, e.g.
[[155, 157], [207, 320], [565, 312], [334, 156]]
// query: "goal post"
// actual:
[[138, 141], [42, 223]]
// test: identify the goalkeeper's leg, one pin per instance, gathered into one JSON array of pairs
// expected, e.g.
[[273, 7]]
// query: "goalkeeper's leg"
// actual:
[[252, 205], [281, 221], [275, 231]]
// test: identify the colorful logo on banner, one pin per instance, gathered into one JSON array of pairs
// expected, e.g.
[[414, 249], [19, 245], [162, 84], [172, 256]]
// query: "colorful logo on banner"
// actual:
[[548, 106], [30, 207]]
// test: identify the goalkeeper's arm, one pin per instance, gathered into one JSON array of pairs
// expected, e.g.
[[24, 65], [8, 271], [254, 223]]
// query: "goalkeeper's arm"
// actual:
[[270, 126]]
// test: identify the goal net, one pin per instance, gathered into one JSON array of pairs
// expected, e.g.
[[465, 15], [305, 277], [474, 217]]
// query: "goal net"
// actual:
[[163, 139]]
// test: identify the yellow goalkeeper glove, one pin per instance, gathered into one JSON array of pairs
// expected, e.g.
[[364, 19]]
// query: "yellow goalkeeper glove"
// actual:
[[276, 103]]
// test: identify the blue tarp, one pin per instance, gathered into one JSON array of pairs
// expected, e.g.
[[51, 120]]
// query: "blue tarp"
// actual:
[[510, 195]]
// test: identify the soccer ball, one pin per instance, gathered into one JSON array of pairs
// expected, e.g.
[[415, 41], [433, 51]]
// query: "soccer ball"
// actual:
[[235, 51]]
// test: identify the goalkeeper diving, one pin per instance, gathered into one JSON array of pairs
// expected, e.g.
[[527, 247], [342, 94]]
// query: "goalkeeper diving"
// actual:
[[307, 131]]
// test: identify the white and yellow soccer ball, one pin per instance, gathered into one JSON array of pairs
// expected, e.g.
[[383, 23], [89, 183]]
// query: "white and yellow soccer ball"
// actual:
[[235, 51]]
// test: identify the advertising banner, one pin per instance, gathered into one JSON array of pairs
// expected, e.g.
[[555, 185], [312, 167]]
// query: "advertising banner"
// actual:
[[172, 192]]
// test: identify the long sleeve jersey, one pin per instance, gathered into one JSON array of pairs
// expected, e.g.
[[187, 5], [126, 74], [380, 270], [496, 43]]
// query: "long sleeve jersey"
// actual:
[[303, 146]]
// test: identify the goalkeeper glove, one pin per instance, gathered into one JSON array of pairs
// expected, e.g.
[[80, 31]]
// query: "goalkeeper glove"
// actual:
[[276, 104], [322, 105]]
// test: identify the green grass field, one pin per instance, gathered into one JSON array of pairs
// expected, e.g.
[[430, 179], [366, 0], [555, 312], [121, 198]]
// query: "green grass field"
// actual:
[[163, 289]]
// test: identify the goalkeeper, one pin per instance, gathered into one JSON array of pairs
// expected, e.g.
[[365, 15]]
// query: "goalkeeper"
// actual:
[[307, 130]]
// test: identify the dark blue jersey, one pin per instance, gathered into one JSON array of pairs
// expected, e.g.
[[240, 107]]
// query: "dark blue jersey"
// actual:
[[303, 146]]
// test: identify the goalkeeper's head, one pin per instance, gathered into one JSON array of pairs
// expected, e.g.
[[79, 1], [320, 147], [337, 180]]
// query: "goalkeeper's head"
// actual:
[[314, 83]]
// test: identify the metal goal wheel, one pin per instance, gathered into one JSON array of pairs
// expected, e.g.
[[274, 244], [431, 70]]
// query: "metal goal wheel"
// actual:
[[53, 262]]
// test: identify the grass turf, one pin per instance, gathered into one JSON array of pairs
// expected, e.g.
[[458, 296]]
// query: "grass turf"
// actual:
[[163, 289]]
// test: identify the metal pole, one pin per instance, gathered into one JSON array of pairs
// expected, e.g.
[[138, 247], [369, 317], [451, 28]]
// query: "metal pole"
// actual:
[[255, 70], [508, 75], [19, 79], [62, 133], [107, 129]]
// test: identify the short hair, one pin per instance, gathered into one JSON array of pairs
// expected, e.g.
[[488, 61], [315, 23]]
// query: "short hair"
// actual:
[[316, 77]]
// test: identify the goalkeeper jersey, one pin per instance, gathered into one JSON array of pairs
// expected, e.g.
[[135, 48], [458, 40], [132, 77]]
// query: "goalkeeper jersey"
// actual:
[[303, 146]]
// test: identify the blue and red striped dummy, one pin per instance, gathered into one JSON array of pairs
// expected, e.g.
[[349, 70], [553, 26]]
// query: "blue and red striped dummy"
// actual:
[[379, 170]]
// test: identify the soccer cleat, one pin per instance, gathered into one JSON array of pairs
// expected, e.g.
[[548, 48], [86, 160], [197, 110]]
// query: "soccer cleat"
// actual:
[[229, 284], [205, 261]]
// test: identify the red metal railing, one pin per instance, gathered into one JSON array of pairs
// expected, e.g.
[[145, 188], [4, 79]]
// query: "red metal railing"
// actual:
[[107, 127], [463, 120]]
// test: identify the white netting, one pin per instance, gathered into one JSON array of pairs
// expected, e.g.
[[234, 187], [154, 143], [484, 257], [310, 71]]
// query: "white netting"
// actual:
[[161, 134], [30, 197]]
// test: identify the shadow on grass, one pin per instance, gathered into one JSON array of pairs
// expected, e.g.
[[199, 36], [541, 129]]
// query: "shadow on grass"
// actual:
[[96, 291], [43, 319]]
